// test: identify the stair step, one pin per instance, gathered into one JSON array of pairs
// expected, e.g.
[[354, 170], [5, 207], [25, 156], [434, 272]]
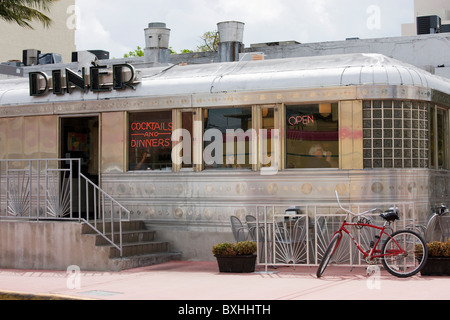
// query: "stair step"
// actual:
[[126, 226], [128, 237], [139, 248], [146, 259]]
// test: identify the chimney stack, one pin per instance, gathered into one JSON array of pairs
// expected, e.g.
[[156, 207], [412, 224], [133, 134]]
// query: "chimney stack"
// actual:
[[157, 43], [231, 35]]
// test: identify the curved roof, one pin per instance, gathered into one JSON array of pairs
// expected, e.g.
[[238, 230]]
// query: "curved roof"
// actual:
[[251, 76]]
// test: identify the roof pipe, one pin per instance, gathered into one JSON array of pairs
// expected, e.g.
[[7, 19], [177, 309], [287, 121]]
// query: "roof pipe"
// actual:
[[231, 35], [157, 43]]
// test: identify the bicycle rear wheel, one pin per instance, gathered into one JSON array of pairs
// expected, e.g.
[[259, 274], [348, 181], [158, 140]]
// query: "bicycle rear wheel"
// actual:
[[331, 249], [405, 253]]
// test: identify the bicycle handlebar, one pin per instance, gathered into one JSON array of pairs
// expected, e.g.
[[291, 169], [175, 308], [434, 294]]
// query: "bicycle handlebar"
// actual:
[[350, 212]]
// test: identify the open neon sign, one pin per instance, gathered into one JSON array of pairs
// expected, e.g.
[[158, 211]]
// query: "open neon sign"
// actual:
[[306, 119]]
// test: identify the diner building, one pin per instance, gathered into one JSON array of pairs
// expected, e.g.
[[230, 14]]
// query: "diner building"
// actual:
[[186, 146]]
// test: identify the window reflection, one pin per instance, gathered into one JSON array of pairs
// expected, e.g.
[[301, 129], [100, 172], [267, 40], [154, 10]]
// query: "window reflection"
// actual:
[[312, 138], [227, 138]]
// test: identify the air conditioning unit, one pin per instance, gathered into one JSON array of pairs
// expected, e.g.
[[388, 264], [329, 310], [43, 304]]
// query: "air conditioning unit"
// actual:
[[100, 54], [50, 58], [445, 28], [77, 56], [428, 24], [30, 57]]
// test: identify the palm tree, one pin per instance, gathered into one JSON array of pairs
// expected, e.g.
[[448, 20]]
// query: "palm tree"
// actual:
[[23, 12]]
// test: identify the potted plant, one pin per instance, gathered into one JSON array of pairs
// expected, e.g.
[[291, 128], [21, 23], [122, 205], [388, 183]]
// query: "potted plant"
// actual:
[[236, 258], [438, 261]]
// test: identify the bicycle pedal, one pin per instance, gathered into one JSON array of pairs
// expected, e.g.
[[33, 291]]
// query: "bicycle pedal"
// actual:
[[396, 268]]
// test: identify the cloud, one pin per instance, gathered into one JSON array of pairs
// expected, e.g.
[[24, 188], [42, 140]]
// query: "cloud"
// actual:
[[92, 33], [118, 26]]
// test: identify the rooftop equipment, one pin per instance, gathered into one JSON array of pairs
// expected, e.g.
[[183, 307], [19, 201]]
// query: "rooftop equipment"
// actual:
[[231, 35], [428, 24]]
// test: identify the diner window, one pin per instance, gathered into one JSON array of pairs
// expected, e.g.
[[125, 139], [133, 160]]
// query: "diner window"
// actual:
[[227, 138], [438, 139], [268, 126], [187, 124], [149, 143], [312, 137]]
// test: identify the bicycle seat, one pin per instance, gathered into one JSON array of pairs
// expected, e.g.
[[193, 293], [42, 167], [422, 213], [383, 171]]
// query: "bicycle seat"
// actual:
[[390, 215], [442, 210]]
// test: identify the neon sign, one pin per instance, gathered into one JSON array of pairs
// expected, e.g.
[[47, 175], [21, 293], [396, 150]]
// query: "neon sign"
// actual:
[[150, 134], [306, 119]]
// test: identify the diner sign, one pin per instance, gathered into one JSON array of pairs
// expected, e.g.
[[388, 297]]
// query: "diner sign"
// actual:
[[150, 134], [99, 79]]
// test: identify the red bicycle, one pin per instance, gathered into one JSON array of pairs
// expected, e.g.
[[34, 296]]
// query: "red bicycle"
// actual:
[[403, 253]]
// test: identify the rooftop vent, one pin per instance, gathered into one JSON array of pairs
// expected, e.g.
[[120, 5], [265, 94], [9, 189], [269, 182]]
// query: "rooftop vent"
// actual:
[[157, 38], [231, 35], [445, 28], [99, 54], [50, 58], [30, 57]]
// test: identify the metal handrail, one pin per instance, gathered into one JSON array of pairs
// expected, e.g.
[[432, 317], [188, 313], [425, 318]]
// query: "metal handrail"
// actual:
[[112, 204], [43, 189]]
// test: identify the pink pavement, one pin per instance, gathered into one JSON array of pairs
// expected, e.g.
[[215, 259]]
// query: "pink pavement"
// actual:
[[193, 280]]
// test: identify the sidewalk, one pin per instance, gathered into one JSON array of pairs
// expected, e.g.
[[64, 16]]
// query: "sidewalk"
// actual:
[[186, 280]]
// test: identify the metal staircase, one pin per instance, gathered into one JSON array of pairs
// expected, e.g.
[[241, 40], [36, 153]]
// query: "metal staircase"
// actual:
[[55, 189], [139, 246]]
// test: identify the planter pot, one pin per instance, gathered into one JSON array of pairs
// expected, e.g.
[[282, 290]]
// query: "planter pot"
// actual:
[[236, 264], [436, 266]]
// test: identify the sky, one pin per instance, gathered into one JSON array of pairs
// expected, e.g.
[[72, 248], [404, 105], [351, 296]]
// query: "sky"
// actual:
[[118, 26]]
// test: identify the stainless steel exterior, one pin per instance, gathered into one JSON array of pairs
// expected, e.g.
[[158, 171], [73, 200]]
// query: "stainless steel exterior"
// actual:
[[193, 208]]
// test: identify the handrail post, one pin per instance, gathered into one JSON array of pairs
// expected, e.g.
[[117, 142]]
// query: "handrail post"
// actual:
[[79, 189], [1, 174], [7, 188], [30, 189], [70, 187], [38, 199]]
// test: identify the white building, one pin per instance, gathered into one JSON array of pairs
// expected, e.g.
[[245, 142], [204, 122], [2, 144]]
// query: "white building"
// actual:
[[58, 38], [440, 8]]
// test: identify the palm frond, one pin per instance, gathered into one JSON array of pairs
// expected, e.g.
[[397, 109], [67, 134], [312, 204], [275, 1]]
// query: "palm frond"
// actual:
[[24, 12]]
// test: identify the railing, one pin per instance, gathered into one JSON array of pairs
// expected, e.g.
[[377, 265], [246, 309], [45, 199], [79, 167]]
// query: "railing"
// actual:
[[55, 189], [286, 239]]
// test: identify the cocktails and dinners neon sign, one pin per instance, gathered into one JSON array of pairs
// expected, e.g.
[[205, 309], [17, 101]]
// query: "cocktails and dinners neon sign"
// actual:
[[150, 134]]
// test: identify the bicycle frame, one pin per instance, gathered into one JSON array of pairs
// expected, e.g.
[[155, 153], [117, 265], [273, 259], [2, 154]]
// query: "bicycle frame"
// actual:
[[373, 253], [397, 260]]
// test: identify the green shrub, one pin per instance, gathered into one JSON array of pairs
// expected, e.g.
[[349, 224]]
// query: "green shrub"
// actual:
[[230, 249], [439, 249], [225, 248], [245, 247]]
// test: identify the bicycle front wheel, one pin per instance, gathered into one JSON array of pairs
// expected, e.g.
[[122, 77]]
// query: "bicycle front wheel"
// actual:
[[404, 253], [331, 249]]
